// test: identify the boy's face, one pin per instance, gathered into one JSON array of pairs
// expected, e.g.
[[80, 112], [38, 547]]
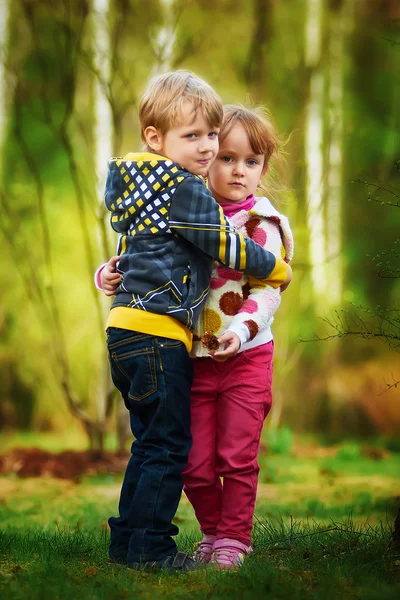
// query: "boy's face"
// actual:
[[237, 170], [192, 143]]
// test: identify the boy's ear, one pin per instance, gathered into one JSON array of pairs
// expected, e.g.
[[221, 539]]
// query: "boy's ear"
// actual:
[[153, 138]]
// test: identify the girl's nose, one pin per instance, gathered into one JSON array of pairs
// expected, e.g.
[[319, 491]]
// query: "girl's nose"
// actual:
[[238, 169]]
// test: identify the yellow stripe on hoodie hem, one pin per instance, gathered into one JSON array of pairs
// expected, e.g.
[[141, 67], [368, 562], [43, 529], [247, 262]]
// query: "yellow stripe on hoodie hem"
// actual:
[[135, 319]]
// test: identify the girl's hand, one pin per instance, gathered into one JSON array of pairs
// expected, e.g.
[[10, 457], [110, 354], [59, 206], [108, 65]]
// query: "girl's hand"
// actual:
[[109, 277], [288, 279], [231, 344]]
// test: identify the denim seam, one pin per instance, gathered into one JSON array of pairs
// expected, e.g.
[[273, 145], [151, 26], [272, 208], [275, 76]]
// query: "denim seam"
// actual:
[[133, 353], [129, 340], [169, 343], [152, 370], [165, 468]]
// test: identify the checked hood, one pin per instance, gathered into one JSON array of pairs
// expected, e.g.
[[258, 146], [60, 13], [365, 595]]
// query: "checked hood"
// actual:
[[138, 192]]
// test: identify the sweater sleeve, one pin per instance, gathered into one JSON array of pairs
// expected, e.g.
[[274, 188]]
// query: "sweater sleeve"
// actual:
[[256, 312], [97, 276], [263, 300], [195, 215]]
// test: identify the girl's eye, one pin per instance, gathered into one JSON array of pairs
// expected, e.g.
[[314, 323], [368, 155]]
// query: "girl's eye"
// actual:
[[252, 163], [226, 159], [213, 134], [190, 136]]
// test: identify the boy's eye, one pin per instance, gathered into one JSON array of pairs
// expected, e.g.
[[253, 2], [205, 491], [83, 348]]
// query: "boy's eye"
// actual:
[[190, 136], [213, 134]]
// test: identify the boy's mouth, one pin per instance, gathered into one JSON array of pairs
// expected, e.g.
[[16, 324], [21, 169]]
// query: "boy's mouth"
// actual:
[[204, 161], [237, 184]]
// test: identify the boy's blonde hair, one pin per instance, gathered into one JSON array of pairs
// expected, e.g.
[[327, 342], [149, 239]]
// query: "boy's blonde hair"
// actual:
[[262, 135], [161, 103]]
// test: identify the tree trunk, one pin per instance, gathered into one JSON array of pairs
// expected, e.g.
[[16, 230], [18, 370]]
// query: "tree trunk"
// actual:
[[256, 65], [4, 14], [314, 149], [103, 135], [165, 38], [337, 24]]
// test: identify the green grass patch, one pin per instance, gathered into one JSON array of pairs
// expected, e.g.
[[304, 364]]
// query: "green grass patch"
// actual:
[[290, 560], [322, 530]]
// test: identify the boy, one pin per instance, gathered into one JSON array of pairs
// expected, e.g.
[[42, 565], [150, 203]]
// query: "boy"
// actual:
[[171, 229]]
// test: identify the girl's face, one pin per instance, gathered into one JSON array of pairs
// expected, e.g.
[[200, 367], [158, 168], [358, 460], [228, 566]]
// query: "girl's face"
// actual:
[[237, 170]]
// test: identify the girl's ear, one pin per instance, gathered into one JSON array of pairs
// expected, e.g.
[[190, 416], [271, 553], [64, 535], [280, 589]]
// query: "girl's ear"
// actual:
[[154, 138]]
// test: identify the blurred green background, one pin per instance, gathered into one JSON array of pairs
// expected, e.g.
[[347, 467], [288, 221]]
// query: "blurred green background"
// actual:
[[72, 72]]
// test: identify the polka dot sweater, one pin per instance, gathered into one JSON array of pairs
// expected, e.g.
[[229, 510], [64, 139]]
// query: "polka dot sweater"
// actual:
[[237, 302]]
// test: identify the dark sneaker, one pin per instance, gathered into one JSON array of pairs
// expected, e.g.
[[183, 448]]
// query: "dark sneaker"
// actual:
[[118, 560], [178, 562]]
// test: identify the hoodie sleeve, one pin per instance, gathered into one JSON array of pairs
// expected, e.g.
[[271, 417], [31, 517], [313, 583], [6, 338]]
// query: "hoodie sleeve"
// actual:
[[114, 197], [196, 216]]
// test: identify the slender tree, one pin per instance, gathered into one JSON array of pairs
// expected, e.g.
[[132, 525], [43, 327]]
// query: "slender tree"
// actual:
[[313, 150], [4, 15], [338, 23]]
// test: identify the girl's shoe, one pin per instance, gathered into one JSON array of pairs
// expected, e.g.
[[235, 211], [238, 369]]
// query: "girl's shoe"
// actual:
[[229, 554], [204, 550]]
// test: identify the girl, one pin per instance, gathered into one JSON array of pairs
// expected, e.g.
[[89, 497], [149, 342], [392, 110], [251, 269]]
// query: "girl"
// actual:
[[231, 391]]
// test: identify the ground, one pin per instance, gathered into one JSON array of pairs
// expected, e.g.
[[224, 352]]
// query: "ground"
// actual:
[[323, 529]]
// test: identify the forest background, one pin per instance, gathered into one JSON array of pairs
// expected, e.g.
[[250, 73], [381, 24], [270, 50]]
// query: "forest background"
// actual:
[[71, 75]]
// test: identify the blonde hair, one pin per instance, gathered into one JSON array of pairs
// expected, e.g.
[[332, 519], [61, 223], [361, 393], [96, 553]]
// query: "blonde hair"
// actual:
[[263, 138], [162, 101]]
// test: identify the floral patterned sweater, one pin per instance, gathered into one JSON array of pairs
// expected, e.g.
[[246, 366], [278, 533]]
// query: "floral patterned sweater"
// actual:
[[241, 303]]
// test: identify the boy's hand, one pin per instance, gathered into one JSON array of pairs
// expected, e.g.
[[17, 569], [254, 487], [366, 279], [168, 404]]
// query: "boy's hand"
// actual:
[[109, 277], [231, 344], [288, 279]]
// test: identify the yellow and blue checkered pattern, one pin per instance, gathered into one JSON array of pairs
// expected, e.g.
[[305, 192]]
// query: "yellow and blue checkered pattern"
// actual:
[[144, 200]]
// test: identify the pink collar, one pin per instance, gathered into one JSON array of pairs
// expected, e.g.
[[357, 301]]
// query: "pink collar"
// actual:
[[231, 208]]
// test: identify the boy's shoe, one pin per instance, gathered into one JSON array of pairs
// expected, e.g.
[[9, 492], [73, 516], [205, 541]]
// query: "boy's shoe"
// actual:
[[177, 562], [229, 554], [205, 548], [118, 559]]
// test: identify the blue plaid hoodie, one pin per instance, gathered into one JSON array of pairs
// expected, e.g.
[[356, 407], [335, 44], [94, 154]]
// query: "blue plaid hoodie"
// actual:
[[171, 229]]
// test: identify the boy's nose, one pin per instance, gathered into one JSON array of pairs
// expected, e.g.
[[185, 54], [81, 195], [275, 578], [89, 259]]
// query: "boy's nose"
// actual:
[[205, 145]]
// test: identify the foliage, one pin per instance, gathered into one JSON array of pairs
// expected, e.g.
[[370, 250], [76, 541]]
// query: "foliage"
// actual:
[[279, 441], [54, 232], [377, 322]]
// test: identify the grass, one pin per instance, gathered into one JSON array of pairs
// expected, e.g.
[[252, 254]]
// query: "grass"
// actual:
[[322, 530], [290, 561]]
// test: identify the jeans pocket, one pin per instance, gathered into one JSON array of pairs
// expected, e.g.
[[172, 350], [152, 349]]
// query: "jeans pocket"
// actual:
[[138, 368]]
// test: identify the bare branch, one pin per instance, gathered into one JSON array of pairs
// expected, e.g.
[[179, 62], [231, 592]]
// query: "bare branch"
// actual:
[[380, 188]]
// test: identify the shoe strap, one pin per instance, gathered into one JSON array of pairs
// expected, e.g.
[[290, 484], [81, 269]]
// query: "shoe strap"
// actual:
[[179, 559], [231, 545]]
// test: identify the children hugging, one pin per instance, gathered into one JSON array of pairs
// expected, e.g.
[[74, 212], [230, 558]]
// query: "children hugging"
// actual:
[[192, 261]]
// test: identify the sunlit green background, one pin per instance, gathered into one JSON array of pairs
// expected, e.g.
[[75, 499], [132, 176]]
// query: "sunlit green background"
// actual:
[[54, 231]]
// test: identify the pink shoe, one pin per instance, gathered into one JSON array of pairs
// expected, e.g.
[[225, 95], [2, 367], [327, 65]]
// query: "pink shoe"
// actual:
[[205, 549], [229, 554]]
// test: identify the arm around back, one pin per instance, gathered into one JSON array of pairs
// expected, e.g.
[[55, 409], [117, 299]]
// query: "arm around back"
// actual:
[[196, 216]]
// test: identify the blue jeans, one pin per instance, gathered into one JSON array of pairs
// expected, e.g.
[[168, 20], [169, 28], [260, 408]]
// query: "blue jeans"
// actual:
[[154, 376]]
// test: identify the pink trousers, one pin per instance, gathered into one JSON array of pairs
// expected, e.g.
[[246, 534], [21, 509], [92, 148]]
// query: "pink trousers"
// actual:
[[229, 402]]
